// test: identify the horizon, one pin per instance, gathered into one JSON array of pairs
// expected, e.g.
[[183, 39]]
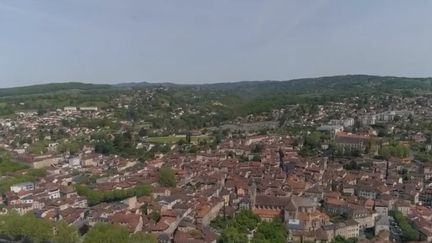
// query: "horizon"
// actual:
[[209, 83], [106, 42]]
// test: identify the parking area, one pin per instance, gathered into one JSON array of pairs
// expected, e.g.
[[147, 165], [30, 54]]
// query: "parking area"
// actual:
[[395, 231]]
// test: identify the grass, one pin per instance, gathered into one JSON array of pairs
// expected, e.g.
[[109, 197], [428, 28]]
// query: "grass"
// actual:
[[175, 139], [7, 165]]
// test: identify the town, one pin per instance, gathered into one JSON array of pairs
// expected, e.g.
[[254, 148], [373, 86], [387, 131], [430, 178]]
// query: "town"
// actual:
[[352, 170]]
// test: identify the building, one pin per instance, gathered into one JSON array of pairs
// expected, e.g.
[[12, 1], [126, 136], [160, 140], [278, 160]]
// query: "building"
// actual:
[[350, 142], [89, 108], [42, 161], [347, 229], [25, 186], [331, 129], [382, 224], [426, 197], [70, 108]]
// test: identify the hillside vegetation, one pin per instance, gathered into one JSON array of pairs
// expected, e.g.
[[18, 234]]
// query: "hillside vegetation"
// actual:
[[192, 106]]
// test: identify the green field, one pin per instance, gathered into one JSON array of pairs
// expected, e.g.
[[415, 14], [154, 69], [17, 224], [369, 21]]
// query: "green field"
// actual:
[[175, 139]]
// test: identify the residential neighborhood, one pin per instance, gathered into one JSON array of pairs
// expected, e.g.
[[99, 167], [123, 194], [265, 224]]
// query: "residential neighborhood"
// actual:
[[351, 173]]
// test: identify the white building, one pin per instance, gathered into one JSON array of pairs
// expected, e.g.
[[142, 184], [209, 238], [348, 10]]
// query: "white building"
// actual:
[[75, 162], [54, 193], [70, 108], [89, 108], [24, 186]]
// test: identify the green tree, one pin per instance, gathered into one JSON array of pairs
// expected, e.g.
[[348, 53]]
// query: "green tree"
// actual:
[[409, 233], [143, 132], [144, 209], [233, 235], [246, 220], [384, 152], [65, 234], [141, 237], [27, 227], [188, 137], [94, 197], [155, 215], [106, 233], [167, 177], [273, 232], [341, 239]]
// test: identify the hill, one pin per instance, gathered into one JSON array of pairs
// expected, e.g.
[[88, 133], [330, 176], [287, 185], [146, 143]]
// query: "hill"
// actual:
[[234, 99], [49, 88]]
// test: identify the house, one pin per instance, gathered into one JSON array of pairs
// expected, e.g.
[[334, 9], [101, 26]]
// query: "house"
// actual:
[[382, 207], [382, 224], [208, 211], [74, 162], [302, 213], [363, 216], [43, 161], [89, 108], [403, 206], [133, 222], [54, 193], [70, 108], [347, 229], [371, 189], [25, 186], [315, 193], [336, 206], [268, 207], [331, 129], [426, 196]]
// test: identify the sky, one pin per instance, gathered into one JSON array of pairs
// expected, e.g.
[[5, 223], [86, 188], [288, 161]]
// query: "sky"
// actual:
[[206, 41]]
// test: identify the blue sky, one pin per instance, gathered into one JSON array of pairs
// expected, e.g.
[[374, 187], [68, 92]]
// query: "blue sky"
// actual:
[[201, 41]]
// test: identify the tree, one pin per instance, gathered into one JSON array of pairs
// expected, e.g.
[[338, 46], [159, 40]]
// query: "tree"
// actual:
[[341, 239], [256, 157], [167, 177], [257, 148], [384, 152], [41, 111], [352, 165], [106, 233], [94, 197], [236, 229], [246, 220], [311, 144], [141, 237], [188, 137], [155, 215], [273, 232], [233, 235], [65, 234], [144, 209], [409, 233], [27, 228], [143, 132], [71, 147]]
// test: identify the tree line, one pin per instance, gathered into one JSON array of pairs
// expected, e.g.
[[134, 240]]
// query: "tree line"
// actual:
[[29, 228], [237, 228], [95, 197]]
